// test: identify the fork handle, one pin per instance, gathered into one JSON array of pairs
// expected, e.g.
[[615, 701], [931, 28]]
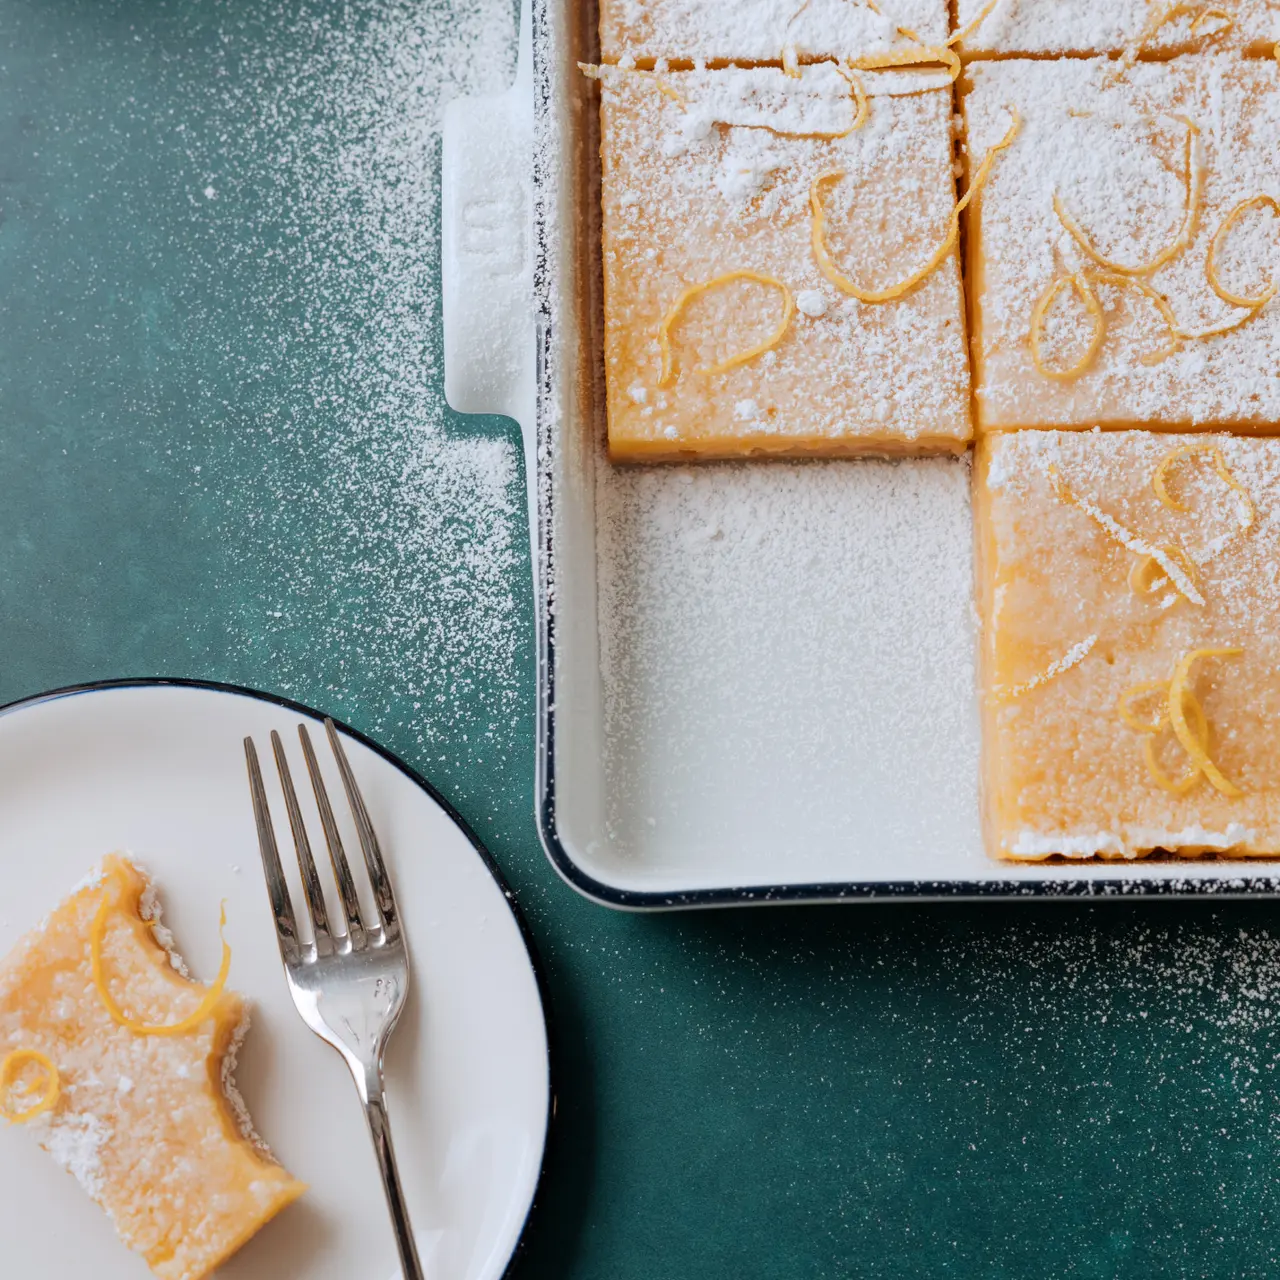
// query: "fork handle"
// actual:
[[373, 1094]]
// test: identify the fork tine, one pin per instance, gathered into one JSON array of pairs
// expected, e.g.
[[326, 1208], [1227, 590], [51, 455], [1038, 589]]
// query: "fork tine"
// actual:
[[277, 888], [378, 877], [311, 889], [337, 854]]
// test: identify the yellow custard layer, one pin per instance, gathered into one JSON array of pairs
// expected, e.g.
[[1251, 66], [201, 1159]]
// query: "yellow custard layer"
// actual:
[[725, 333], [149, 1124], [1130, 643]]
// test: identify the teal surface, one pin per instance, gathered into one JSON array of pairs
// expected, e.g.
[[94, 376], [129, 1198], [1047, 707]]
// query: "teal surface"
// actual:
[[226, 456]]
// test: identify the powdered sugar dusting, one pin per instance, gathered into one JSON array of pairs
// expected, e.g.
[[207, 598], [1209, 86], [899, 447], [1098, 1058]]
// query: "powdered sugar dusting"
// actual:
[[1113, 151], [1108, 26], [75, 1140], [759, 30], [390, 538], [723, 182], [744, 608], [1068, 771]]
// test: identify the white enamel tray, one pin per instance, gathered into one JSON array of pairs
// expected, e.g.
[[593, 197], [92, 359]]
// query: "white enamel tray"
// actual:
[[716, 728], [158, 769]]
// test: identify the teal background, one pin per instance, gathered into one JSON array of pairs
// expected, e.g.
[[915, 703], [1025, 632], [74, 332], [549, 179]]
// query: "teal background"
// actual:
[[225, 455]]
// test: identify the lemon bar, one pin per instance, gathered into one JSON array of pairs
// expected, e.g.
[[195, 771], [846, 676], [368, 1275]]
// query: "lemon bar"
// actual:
[[1138, 28], [150, 1124], [1123, 257], [724, 335], [1131, 636], [642, 31]]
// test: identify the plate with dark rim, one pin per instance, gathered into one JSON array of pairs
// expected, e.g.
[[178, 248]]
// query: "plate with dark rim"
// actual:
[[155, 768]]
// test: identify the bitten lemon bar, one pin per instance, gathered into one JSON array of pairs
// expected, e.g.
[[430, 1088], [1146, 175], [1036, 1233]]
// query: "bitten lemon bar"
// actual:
[[1123, 257], [121, 1066], [1131, 634], [1133, 28], [764, 30], [779, 265]]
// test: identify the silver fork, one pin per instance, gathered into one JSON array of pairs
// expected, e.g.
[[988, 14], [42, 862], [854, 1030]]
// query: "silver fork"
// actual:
[[349, 984]]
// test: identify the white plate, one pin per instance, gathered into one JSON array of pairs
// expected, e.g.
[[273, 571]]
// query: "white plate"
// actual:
[[158, 770]]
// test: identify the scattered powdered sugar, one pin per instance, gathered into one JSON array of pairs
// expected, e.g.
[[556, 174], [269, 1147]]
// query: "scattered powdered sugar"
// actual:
[[1102, 26], [759, 30], [1113, 152], [1067, 519], [75, 1140], [724, 182], [741, 177], [810, 302], [787, 657], [1073, 657], [390, 538], [1028, 844]]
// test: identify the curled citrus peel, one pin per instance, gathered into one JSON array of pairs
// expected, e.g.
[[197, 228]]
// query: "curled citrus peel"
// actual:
[[1082, 282], [1193, 188], [1161, 17], [1220, 16], [857, 94], [827, 265], [696, 290], [1152, 727], [860, 99], [1182, 582], [790, 67], [191, 1021], [1160, 479], [963, 34], [1217, 330], [1191, 743], [50, 1085], [1148, 576], [982, 15], [1157, 299], [1135, 693], [1210, 263], [1180, 710], [920, 55], [790, 58], [861, 104], [1151, 758], [1084, 291], [1121, 277]]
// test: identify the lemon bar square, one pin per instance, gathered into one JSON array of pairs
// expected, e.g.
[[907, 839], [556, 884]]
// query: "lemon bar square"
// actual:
[[642, 31], [1130, 612], [723, 336], [150, 1124], [1105, 251], [1083, 28]]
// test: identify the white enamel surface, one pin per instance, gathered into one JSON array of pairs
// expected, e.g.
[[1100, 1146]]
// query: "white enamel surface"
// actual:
[[160, 772], [788, 668], [486, 261]]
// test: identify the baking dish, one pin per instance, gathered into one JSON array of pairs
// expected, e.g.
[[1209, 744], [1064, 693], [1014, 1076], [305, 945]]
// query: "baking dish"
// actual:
[[756, 681]]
